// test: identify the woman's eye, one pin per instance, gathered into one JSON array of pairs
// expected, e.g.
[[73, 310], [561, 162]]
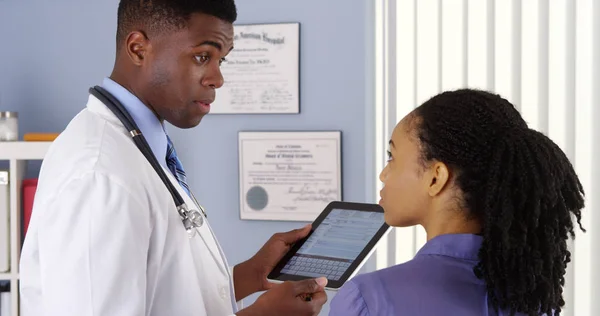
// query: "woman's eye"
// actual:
[[389, 154]]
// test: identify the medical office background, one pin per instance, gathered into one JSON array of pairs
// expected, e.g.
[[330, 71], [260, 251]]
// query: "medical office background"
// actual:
[[364, 65]]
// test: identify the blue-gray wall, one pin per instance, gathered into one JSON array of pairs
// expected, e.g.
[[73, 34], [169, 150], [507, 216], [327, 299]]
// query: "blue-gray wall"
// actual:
[[52, 51]]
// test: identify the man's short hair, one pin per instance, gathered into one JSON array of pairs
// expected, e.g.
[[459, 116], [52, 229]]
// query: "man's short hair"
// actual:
[[168, 15]]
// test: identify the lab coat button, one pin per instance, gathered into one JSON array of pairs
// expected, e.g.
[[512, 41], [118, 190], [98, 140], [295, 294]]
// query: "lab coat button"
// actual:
[[223, 293]]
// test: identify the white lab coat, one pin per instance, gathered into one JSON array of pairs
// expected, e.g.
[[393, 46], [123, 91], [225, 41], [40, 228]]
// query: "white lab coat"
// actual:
[[105, 238]]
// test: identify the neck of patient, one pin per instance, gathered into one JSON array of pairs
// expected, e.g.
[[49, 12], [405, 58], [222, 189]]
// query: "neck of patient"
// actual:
[[451, 222]]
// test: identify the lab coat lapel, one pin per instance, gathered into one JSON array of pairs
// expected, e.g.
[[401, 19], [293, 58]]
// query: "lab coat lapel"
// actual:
[[204, 232]]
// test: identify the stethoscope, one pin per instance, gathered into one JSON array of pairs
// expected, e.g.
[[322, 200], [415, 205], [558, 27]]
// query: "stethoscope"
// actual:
[[191, 218]]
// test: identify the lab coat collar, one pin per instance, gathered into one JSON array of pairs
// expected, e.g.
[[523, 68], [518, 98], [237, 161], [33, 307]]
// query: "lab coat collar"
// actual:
[[150, 126]]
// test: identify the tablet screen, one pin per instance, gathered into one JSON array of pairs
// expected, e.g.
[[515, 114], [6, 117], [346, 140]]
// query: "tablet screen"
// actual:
[[335, 244]]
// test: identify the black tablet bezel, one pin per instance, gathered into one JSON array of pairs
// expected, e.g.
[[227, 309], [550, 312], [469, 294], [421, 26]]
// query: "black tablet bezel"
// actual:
[[276, 274]]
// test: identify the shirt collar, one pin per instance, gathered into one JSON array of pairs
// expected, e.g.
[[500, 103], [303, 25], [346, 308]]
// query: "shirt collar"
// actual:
[[150, 126], [463, 246]]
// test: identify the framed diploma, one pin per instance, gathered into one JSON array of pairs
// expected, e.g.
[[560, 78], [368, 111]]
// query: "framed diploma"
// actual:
[[290, 176], [261, 73]]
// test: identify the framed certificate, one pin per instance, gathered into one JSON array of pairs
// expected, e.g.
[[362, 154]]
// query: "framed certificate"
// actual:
[[261, 73], [289, 176]]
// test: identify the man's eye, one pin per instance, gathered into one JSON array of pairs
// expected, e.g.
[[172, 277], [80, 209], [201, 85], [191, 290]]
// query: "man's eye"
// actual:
[[202, 58], [389, 154], [222, 60]]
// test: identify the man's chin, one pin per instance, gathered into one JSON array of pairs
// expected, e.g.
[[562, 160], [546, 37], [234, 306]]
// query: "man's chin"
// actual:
[[190, 122]]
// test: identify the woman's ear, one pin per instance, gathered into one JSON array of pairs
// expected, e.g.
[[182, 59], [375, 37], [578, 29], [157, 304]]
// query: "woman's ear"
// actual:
[[439, 176]]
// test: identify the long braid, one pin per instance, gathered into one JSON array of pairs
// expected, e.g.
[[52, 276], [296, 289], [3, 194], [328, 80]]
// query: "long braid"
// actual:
[[519, 184]]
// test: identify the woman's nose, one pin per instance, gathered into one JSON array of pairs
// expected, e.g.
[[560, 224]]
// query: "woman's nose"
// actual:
[[383, 174]]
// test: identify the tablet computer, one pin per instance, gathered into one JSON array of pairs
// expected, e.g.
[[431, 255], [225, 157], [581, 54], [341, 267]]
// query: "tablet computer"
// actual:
[[341, 240]]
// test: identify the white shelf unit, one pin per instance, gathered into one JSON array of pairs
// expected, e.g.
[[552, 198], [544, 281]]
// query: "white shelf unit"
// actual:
[[17, 154]]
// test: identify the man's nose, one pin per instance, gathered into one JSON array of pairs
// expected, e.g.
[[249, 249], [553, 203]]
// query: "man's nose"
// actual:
[[213, 78]]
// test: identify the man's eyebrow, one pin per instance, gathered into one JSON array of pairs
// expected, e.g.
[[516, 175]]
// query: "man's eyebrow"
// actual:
[[214, 44], [210, 43], [391, 142]]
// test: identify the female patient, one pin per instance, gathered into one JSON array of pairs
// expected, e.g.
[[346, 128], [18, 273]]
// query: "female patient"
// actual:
[[495, 198]]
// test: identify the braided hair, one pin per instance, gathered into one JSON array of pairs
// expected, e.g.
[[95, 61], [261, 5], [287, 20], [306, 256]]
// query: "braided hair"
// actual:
[[521, 187]]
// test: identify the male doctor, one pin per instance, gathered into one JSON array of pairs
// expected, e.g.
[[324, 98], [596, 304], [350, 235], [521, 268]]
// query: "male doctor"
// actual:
[[105, 238]]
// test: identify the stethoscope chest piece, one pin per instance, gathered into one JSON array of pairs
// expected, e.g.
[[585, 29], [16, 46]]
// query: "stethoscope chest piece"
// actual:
[[192, 219]]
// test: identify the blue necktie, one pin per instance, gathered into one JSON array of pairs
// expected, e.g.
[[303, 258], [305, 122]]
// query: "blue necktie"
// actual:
[[174, 164]]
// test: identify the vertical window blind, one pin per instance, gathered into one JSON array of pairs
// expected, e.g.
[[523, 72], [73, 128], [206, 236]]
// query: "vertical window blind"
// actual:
[[541, 55]]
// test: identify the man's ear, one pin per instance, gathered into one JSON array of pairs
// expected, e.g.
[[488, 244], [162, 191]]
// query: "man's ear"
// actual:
[[439, 178], [137, 47]]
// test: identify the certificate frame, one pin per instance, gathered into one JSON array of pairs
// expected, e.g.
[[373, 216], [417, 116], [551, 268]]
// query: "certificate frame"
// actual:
[[292, 194], [241, 59]]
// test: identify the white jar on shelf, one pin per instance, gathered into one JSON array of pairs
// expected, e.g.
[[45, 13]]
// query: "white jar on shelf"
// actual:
[[9, 126]]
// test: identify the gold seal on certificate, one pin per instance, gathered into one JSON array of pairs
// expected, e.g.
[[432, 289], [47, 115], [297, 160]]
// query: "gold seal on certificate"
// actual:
[[288, 176]]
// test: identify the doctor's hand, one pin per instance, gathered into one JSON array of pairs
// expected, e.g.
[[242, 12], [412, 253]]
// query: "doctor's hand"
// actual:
[[251, 276], [288, 299]]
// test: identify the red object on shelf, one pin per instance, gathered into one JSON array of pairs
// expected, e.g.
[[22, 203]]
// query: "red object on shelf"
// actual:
[[29, 188]]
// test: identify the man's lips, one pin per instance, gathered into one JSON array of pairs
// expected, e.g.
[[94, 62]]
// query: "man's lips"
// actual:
[[206, 102], [205, 105]]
